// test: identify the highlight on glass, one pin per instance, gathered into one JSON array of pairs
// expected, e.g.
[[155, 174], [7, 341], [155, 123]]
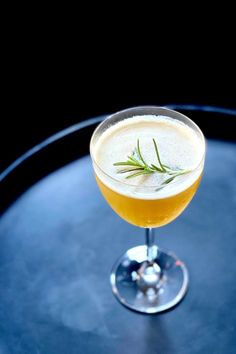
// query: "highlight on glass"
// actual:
[[148, 163]]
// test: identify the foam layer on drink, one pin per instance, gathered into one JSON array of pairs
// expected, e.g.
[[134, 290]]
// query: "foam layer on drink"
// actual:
[[179, 147]]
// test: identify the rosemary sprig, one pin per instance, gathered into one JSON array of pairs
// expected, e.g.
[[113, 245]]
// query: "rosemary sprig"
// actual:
[[138, 166]]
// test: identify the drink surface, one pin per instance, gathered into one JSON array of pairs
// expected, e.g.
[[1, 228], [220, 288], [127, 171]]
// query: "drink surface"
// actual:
[[178, 145], [139, 200]]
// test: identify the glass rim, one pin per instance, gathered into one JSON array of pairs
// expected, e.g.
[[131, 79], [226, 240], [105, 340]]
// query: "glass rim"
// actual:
[[151, 108]]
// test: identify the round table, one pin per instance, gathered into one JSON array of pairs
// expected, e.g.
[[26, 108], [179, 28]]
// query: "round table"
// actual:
[[59, 240]]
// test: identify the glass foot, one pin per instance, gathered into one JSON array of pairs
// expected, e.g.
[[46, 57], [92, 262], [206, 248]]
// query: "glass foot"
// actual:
[[149, 287]]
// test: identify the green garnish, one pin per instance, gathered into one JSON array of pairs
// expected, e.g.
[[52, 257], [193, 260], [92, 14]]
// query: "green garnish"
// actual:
[[138, 166]]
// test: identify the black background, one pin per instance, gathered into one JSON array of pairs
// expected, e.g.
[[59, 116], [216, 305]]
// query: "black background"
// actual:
[[62, 65]]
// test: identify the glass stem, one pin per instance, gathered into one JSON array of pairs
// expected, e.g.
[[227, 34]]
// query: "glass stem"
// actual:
[[150, 243]]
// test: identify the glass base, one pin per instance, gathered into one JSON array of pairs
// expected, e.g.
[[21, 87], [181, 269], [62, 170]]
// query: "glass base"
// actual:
[[149, 287]]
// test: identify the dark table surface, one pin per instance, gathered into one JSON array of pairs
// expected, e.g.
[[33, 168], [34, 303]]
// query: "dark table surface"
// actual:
[[59, 240]]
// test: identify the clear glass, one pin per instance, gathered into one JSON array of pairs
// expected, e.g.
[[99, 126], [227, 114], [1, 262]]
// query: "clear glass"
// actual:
[[147, 279]]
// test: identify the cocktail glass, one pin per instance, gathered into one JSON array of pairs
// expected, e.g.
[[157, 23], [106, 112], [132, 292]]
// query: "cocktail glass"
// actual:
[[147, 279]]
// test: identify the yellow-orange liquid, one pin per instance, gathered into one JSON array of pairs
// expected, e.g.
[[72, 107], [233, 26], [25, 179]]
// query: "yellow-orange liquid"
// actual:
[[138, 200], [148, 212]]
